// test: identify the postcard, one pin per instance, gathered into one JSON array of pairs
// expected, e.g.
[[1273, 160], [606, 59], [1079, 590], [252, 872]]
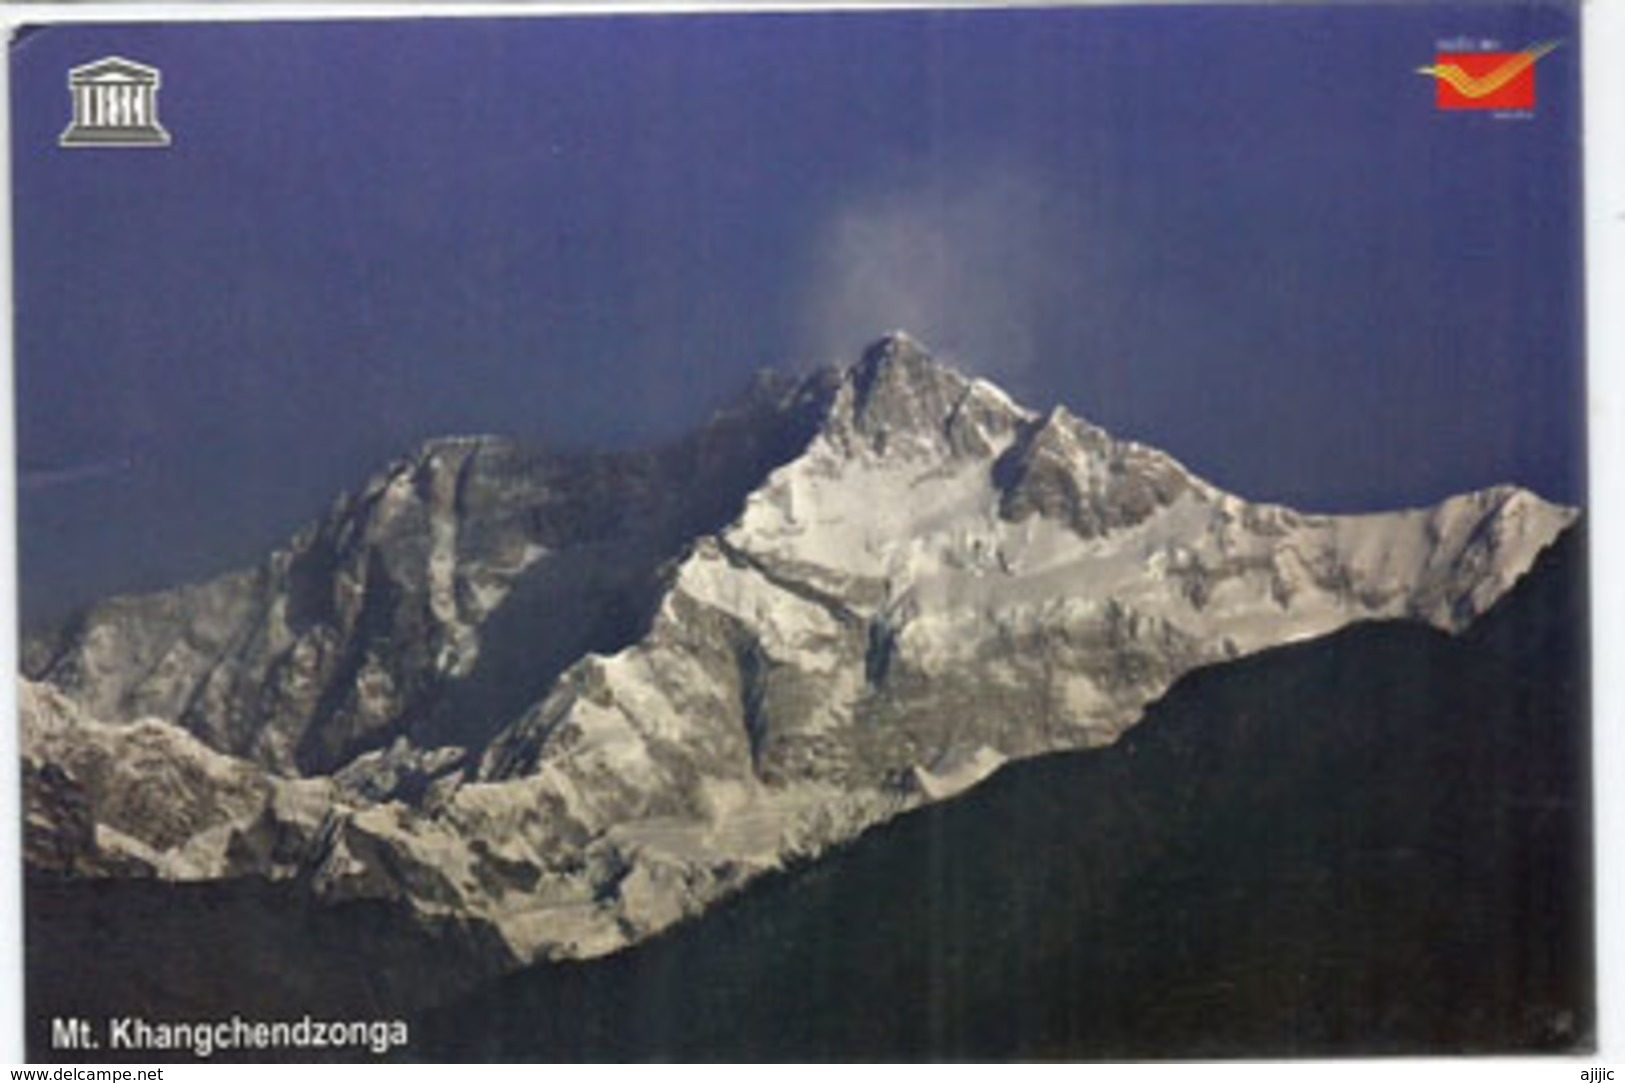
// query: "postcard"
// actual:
[[932, 534]]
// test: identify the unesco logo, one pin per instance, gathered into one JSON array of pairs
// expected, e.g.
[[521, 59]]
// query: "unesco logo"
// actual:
[[115, 104]]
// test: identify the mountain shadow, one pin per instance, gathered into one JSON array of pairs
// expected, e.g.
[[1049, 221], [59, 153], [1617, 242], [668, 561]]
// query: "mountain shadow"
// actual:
[[1374, 843]]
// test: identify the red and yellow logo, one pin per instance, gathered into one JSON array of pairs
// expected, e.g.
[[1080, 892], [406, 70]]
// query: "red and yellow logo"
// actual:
[[1487, 80]]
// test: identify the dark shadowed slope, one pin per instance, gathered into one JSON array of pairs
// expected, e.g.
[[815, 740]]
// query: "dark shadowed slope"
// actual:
[[1376, 842]]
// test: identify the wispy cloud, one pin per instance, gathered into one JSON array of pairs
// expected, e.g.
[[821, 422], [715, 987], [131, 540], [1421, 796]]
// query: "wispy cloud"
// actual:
[[967, 260], [33, 477]]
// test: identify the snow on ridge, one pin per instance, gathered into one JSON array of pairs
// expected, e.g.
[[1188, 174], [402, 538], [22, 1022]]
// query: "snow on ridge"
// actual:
[[877, 628]]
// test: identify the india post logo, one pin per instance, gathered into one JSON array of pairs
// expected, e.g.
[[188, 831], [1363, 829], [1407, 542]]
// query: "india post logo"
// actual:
[[1486, 80]]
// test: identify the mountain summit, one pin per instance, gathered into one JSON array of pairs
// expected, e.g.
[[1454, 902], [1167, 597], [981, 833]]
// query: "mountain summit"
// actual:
[[579, 698]]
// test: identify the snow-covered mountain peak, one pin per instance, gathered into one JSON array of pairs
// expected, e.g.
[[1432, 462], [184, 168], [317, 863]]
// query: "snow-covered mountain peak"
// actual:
[[582, 696], [1075, 473], [897, 387], [898, 401]]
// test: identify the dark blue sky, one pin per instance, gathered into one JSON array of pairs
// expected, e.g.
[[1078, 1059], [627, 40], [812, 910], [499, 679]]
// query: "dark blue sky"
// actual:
[[1245, 235]]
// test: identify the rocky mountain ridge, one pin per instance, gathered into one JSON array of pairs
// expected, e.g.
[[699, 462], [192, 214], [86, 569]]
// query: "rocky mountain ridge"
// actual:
[[580, 698]]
